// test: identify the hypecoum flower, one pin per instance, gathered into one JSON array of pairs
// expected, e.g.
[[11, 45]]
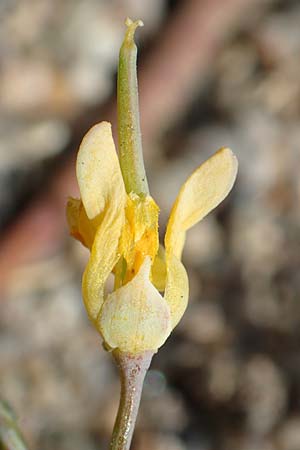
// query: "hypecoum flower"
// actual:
[[117, 220]]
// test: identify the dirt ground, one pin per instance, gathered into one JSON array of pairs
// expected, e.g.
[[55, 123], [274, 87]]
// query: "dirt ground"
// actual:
[[228, 378]]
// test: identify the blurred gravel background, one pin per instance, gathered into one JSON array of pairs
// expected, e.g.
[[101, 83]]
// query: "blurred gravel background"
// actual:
[[229, 376]]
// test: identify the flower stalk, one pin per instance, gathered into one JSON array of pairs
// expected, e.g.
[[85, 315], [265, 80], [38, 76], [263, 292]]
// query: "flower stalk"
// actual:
[[132, 369]]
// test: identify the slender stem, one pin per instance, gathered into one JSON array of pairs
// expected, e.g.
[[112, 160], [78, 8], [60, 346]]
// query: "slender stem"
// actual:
[[132, 370], [129, 132], [10, 436]]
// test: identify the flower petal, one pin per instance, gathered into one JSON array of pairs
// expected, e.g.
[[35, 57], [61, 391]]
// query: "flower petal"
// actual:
[[177, 288], [81, 228], [104, 256], [135, 318], [201, 193], [159, 270], [104, 197], [98, 171]]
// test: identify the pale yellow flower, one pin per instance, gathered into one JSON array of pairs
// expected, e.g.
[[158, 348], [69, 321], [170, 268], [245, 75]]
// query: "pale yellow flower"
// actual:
[[121, 231]]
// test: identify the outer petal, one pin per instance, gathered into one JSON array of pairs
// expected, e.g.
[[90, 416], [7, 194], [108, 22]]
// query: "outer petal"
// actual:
[[103, 196], [98, 171], [102, 260], [177, 288], [201, 193], [135, 318]]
